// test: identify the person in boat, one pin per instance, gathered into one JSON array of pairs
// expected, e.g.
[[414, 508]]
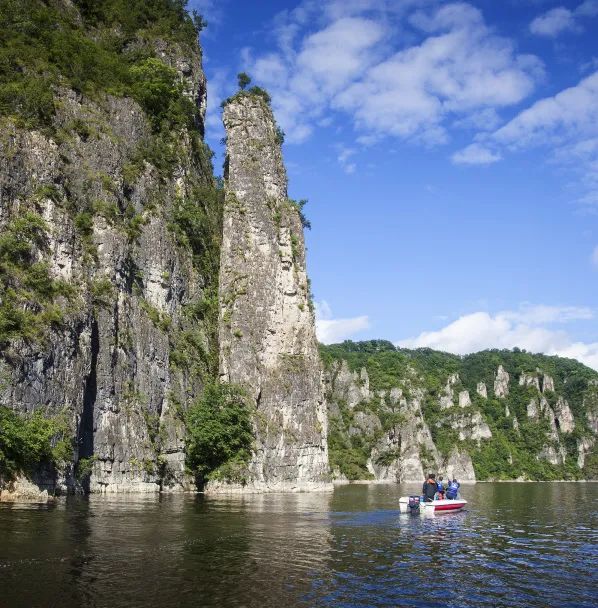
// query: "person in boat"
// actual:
[[440, 489], [430, 488], [453, 489]]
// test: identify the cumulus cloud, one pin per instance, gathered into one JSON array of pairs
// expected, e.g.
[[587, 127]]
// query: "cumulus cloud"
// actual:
[[531, 328], [359, 61], [330, 330], [475, 154], [553, 22], [567, 122], [569, 114], [561, 19]]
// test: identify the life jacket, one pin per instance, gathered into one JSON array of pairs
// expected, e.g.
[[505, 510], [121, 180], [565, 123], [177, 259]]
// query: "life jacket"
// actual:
[[452, 490], [439, 486]]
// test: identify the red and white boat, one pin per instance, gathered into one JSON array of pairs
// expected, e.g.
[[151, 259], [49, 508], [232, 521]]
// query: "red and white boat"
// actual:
[[429, 508]]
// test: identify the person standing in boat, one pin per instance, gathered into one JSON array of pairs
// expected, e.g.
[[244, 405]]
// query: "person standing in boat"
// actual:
[[429, 488], [453, 489]]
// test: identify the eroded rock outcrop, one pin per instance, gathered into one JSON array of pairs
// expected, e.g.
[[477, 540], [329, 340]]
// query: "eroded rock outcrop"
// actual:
[[459, 465], [501, 383], [563, 415], [406, 450], [482, 390], [529, 380], [267, 329]]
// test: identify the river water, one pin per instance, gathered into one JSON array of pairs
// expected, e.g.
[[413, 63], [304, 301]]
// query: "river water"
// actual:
[[517, 545]]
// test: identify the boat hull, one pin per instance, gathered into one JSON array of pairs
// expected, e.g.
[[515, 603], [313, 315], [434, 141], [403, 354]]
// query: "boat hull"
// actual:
[[435, 507], [445, 506]]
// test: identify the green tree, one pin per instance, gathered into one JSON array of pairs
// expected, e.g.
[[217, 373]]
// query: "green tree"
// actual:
[[219, 430], [244, 80]]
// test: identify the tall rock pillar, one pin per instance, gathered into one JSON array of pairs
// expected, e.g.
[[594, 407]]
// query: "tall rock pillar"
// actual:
[[267, 330]]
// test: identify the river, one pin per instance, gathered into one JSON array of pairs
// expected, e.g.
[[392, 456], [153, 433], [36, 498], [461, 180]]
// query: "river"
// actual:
[[516, 545]]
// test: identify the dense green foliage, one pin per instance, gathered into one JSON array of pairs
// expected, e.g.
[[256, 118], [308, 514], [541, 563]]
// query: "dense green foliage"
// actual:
[[47, 45], [160, 93], [220, 433], [28, 441], [511, 452], [197, 225], [29, 295]]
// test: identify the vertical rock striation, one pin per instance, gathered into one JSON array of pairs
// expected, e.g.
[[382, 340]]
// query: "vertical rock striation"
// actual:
[[267, 329]]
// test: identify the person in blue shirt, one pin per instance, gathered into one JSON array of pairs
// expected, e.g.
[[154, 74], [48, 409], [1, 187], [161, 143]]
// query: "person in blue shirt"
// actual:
[[440, 489], [453, 489]]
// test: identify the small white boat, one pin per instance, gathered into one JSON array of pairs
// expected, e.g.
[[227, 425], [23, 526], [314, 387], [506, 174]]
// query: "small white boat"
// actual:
[[409, 504]]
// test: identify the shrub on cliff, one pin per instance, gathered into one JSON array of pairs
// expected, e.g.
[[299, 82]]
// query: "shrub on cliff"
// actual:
[[27, 442], [159, 92], [219, 431], [29, 292], [46, 47]]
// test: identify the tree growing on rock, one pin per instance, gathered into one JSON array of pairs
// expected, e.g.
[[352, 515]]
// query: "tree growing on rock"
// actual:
[[244, 80]]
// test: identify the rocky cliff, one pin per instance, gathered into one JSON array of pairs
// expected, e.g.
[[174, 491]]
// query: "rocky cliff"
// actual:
[[394, 414], [109, 250], [267, 330]]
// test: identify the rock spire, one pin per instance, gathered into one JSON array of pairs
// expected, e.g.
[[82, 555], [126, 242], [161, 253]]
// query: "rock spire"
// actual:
[[267, 329]]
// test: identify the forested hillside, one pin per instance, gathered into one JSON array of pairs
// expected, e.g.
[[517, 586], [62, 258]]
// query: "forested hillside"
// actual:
[[515, 414]]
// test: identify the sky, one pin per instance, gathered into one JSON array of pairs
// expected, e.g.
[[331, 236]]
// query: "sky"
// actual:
[[449, 154]]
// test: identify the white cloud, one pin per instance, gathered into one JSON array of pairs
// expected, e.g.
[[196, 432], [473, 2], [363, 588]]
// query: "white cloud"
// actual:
[[567, 122], [537, 315], [561, 19], [571, 112], [484, 120], [589, 8], [361, 60], [458, 71], [595, 257], [475, 154], [530, 328], [343, 158], [553, 22], [217, 90], [331, 330], [211, 10]]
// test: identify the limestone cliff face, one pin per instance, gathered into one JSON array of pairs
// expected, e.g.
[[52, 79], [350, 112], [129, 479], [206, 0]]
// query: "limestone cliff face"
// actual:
[[532, 425], [267, 329], [389, 426], [107, 365]]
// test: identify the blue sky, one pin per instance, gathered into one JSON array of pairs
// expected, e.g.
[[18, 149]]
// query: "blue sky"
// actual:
[[449, 152]]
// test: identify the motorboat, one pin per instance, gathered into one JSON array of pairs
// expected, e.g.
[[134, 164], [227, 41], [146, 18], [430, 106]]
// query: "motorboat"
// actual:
[[413, 505]]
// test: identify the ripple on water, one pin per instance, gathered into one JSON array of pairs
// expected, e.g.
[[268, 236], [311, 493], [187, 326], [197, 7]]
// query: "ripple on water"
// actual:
[[348, 549]]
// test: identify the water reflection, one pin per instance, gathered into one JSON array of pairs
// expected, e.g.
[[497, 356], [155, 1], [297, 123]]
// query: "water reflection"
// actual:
[[517, 545]]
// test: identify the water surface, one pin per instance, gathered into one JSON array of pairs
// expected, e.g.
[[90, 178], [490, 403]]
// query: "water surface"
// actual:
[[517, 545]]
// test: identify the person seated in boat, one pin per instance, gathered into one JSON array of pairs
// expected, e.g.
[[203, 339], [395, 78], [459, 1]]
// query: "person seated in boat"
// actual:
[[440, 489], [453, 489], [430, 487]]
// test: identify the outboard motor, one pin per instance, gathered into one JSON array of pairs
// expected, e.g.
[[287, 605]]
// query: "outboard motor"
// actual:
[[414, 505]]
